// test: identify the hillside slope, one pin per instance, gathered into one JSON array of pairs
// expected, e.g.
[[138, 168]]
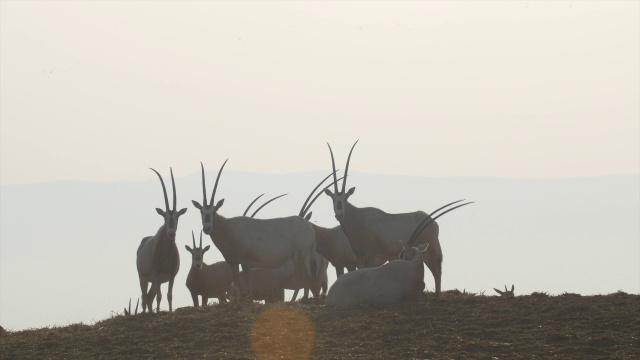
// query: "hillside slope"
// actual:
[[453, 326]]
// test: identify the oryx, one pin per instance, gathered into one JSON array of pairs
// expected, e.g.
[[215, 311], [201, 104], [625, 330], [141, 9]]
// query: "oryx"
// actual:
[[332, 243], [157, 259], [375, 233], [255, 242]]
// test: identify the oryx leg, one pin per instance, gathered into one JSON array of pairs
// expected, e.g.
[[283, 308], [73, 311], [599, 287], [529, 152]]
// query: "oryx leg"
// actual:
[[144, 286], [222, 300], [170, 295], [432, 257], [158, 292], [150, 296], [339, 271], [295, 295], [205, 300], [194, 297]]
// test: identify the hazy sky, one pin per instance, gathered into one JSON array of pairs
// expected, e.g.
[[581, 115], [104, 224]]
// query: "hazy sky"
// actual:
[[101, 90]]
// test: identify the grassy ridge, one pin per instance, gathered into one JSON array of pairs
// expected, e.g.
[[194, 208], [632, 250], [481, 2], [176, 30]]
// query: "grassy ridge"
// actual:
[[453, 326]]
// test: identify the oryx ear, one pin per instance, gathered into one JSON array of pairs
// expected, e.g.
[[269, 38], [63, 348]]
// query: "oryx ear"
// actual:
[[498, 291], [351, 191], [206, 248], [328, 192], [308, 216], [160, 211], [219, 204], [423, 247], [181, 212], [196, 204], [188, 249]]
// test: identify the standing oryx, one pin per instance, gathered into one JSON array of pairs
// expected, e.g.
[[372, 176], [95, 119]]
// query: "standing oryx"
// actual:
[[254, 242], [397, 280], [158, 260], [373, 232], [332, 243]]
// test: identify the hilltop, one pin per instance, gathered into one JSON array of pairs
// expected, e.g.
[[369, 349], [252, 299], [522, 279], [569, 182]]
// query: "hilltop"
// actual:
[[455, 325]]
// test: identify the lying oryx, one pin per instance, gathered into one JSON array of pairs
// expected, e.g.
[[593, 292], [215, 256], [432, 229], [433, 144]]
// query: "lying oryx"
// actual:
[[392, 282], [374, 233], [157, 258], [256, 243], [204, 280]]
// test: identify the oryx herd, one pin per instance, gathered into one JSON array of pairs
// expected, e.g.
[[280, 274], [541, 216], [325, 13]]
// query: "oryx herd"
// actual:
[[383, 253]]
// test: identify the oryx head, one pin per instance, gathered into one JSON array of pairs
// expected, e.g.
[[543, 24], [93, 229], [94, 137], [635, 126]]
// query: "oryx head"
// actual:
[[506, 293], [170, 216], [340, 197], [304, 212], [207, 209], [197, 252]]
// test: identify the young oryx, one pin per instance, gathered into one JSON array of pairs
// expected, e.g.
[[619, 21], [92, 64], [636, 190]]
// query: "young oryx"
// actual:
[[332, 243], [158, 260], [506, 293], [209, 281], [262, 284], [392, 282], [373, 232], [254, 242]]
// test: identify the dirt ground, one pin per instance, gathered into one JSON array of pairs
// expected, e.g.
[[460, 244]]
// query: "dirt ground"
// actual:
[[453, 326]]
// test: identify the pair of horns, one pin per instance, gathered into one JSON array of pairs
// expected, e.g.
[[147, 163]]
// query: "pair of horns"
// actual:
[[428, 220], [164, 190], [193, 237], [215, 187], [346, 169], [305, 207], [263, 205]]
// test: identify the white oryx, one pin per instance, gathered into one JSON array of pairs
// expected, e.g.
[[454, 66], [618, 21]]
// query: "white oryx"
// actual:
[[208, 281], [262, 284], [256, 243], [397, 280], [332, 243], [375, 233], [157, 259]]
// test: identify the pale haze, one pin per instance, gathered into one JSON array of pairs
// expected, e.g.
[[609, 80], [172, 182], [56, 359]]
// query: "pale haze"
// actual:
[[531, 109]]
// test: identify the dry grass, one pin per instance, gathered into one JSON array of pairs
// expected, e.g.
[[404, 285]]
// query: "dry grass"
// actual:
[[453, 326]]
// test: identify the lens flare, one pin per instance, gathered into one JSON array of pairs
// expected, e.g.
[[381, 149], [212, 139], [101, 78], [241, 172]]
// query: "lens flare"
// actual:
[[283, 332]]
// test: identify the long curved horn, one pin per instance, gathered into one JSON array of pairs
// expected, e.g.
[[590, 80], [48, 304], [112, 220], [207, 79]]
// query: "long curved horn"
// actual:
[[200, 239], [215, 187], [318, 195], [263, 205], [193, 239], [346, 169], [204, 187], [164, 190], [427, 221], [433, 213], [249, 207], [173, 185], [333, 165], [302, 211]]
